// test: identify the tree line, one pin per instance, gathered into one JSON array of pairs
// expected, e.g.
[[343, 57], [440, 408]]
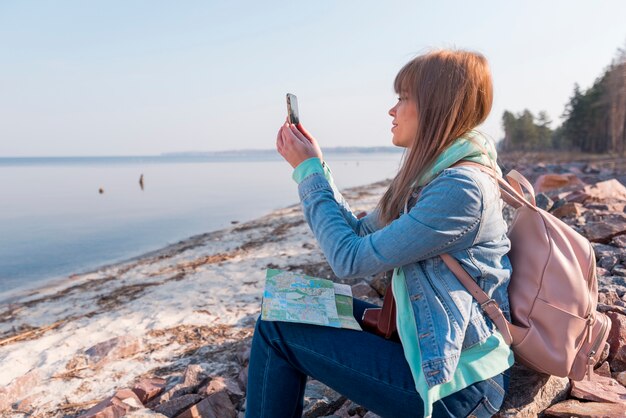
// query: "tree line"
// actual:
[[594, 119]]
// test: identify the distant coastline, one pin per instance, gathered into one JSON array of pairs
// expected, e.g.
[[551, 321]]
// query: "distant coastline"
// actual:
[[187, 156], [272, 152]]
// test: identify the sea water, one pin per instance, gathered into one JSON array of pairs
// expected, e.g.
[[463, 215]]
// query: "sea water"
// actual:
[[60, 216]]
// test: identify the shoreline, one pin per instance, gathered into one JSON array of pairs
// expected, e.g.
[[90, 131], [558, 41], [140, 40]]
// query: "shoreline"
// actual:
[[211, 282]]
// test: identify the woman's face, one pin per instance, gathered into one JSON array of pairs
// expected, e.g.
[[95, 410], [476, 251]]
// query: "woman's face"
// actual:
[[404, 121]]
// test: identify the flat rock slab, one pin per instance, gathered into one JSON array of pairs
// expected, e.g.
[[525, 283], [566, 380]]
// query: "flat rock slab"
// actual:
[[574, 408], [599, 389]]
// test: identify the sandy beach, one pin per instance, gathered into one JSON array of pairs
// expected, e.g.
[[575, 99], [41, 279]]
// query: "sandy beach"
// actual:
[[201, 294]]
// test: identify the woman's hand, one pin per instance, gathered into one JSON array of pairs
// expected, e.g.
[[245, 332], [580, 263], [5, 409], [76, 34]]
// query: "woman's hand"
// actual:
[[296, 144]]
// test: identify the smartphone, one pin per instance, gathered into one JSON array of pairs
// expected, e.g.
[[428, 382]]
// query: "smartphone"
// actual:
[[292, 109]]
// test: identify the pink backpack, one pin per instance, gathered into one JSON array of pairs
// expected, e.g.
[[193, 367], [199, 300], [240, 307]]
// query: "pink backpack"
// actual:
[[553, 290]]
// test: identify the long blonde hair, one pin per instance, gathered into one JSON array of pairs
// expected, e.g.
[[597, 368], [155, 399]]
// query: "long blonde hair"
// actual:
[[453, 93]]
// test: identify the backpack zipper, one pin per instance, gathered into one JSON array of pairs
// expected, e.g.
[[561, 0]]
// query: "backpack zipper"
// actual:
[[596, 346]]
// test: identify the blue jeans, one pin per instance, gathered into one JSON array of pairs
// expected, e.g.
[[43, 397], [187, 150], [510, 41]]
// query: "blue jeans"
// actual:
[[366, 368]]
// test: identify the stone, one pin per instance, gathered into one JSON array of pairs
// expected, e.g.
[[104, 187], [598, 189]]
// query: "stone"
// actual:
[[226, 385], [543, 201], [531, 392], [602, 271], [602, 250], [115, 406], [193, 376], [569, 210], [577, 196], [620, 377], [547, 182], [616, 283], [574, 408], [617, 337], [18, 388], [217, 405], [599, 389], [380, 282], [243, 355], [362, 290], [348, 410], [105, 409], [242, 378], [605, 190], [619, 270], [144, 413], [603, 231], [608, 262], [148, 389], [370, 414], [609, 297], [177, 405], [128, 394], [113, 349], [619, 241], [320, 400], [603, 370]]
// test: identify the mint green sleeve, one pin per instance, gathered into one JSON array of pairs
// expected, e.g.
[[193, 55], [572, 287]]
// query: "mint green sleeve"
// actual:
[[363, 226], [308, 167]]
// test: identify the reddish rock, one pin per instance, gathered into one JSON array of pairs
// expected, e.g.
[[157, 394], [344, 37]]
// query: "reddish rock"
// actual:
[[603, 370], [113, 349], [217, 405], [607, 190], [224, 384], [619, 241], [618, 362], [599, 389], [129, 397], [574, 408], [617, 334], [547, 182], [362, 290], [108, 408], [117, 405], [603, 231], [609, 297], [148, 389], [577, 196], [570, 210], [531, 392], [18, 388], [177, 405], [380, 282], [620, 377], [193, 376]]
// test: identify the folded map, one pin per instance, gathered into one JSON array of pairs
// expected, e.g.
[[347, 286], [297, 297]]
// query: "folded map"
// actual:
[[294, 297]]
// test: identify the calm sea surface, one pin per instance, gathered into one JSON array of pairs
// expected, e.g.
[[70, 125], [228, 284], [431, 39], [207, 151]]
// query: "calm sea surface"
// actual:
[[54, 222]]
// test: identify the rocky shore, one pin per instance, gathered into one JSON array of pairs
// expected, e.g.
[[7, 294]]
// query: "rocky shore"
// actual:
[[167, 334]]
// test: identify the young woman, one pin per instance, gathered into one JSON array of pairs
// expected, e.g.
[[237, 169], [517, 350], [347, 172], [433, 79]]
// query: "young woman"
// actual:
[[451, 361]]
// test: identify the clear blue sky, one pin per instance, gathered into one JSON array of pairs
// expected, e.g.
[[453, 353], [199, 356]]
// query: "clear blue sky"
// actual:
[[145, 77]]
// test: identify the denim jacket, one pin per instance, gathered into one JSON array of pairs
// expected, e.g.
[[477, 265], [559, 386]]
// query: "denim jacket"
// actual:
[[459, 213]]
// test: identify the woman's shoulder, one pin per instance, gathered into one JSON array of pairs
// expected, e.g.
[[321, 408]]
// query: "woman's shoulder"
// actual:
[[462, 185]]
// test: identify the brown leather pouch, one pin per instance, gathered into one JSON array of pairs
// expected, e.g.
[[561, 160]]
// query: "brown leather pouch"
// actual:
[[382, 321]]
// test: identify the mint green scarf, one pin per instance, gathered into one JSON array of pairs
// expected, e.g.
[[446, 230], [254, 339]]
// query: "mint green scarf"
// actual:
[[472, 147]]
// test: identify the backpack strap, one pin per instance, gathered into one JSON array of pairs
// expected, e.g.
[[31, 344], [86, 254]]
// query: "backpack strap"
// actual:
[[488, 305]]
